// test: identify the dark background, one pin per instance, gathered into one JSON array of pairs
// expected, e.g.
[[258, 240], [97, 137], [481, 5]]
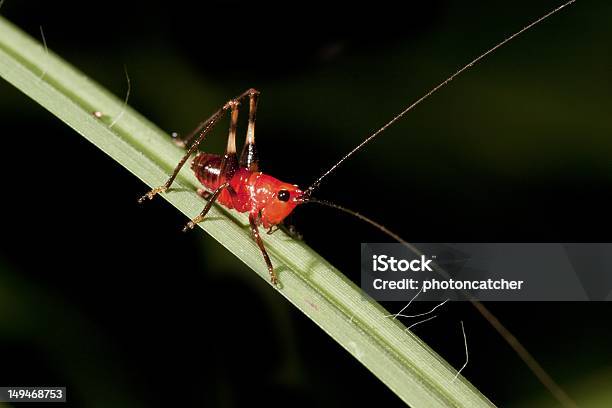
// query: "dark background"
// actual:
[[111, 300]]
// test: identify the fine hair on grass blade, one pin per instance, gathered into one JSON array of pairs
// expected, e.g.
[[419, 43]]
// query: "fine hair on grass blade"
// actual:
[[414, 372], [467, 354], [44, 41], [126, 100]]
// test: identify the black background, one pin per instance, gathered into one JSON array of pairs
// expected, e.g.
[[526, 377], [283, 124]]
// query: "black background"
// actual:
[[111, 300]]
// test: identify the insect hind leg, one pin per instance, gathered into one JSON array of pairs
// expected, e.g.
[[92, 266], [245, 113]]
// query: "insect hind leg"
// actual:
[[198, 135], [228, 166], [249, 157]]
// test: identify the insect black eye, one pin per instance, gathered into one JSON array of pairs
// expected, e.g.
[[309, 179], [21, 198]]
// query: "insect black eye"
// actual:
[[283, 195]]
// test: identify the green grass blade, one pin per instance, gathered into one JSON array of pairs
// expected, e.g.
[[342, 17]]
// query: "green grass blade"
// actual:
[[405, 364]]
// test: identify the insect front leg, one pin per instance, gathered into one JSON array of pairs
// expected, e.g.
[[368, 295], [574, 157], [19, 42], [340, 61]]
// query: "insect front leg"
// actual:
[[255, 234]]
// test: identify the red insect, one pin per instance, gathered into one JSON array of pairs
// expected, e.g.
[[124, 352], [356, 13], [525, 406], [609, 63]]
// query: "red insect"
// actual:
[[238, 184]]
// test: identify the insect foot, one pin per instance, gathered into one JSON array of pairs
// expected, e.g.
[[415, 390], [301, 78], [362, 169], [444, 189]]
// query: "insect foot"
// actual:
[[152, 194], [191, 224]]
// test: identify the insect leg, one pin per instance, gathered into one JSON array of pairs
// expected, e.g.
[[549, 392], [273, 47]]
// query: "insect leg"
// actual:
[[208, 125], [199, 134], [204, 193], [213, 197], [229, 163], [262, 248], [249, 157]]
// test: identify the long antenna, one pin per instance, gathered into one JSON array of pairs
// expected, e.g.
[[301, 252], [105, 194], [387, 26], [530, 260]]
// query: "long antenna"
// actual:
[[316, 184], [516, 345]]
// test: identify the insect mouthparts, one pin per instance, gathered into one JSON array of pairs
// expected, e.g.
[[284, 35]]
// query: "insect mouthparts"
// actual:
[[304, 197]]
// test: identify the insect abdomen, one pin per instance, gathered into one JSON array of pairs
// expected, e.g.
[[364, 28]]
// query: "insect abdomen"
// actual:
[[207, 167]]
